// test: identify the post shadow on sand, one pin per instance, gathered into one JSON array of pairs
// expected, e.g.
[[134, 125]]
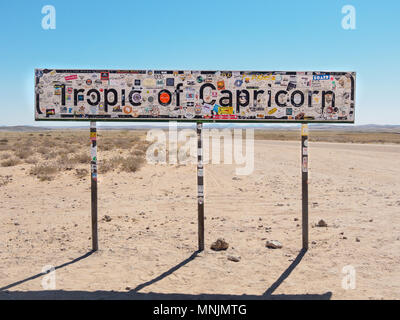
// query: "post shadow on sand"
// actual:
[[135, 294], [43, 273]]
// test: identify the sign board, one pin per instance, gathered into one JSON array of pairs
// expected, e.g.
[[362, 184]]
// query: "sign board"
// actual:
[[222, 96]]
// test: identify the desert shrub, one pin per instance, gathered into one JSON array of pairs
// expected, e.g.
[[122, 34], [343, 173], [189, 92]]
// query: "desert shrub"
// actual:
[[43, 169], [52, 154], [117, 161], [23, 153], [64, 163], [10, 162], [138, 153], [132, 163], [5, 156], [142, 145], [82, 157], [49, 143], [43, 150], [31, 160], [110, 164], [135, 139], [46, 177], [81, 173], [3, 141], [106, 146], [44, 172], [5, 180], [105, 166]]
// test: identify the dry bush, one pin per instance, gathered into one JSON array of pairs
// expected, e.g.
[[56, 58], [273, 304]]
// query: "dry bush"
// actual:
[[3, 141], [43, 150], [330, 136], [106, 145], [64, 164], [142, 145], [50, 155], [110, 164], [10, 162], [5, 156], [123, 143], [82, 157], [46, 177], [43, 169], [132, 163], [70, 148], [5, 180], [117, 161], [44, 172], [49, 143], [23, 153], [81, 173], [138, 153], [31, 160], [104, 166]]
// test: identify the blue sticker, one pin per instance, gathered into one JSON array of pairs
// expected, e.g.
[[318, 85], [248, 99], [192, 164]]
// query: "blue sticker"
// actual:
[[238, 83], [321, 77], [170, 82]]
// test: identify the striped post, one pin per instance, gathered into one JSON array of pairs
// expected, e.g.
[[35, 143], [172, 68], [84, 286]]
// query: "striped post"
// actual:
[[304, 177], [93, 175], [200, 185]]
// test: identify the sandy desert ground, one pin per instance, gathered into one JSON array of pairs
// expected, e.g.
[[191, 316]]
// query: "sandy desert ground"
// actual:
[[148, 249]]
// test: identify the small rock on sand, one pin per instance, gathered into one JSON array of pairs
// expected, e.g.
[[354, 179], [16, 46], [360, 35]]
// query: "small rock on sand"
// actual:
[[234, 258], [321, 223], [107, 218], [273, 244], [220, 244]]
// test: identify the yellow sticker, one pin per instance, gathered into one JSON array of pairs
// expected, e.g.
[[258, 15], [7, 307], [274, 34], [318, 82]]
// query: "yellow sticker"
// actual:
[[225, 110], [304, 129], [272, 111]]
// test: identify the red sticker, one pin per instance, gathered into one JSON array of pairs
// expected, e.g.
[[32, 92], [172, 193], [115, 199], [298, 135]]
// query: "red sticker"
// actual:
[[72, 77], [165, 97]]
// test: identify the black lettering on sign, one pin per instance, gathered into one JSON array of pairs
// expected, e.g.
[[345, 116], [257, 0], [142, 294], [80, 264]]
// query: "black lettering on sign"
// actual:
[[107, 102], [277, 98], [91, 93], [202, 92]]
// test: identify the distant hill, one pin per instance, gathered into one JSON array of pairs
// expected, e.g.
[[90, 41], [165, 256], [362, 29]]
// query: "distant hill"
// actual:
[[259, 126], [23, 128]]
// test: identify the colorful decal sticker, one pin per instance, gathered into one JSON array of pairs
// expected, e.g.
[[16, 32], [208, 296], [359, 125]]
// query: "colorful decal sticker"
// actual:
[[148, 95], [71, 77], [305, 164], [104, 75]]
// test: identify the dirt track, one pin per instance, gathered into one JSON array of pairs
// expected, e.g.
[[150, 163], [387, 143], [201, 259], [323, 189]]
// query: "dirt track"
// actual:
[[146, 250]]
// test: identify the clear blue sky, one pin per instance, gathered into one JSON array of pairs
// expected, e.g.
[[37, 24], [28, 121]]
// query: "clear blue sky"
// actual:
[[218, 34]]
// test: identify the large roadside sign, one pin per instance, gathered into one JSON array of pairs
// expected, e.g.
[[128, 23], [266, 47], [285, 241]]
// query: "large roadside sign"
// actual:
[[168, 95]]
